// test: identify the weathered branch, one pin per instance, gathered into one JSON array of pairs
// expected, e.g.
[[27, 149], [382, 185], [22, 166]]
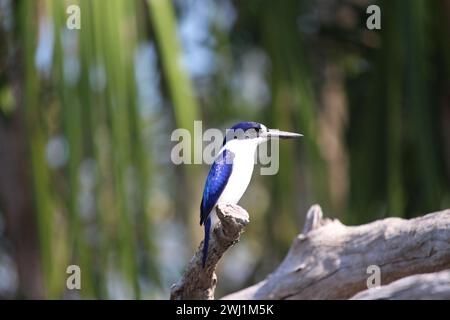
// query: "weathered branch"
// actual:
[[330, 260], [435, 286], [199, 283]]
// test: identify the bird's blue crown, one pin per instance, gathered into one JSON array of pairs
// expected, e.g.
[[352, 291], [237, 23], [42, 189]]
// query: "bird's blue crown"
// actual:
[[241, 127]]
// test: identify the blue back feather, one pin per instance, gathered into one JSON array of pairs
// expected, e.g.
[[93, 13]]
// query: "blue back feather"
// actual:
[[216, 181]]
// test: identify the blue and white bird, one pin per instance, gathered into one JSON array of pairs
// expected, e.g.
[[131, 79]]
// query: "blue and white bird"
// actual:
[[231, 172]]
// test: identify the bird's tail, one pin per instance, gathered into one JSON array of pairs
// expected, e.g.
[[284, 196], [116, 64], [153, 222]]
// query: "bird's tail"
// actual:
[[206, 241]]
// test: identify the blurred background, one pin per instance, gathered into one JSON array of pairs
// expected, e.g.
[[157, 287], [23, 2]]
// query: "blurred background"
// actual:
[[86, 117]]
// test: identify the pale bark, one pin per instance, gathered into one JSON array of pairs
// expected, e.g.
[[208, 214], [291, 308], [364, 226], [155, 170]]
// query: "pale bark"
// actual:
[[330, 260], [434, 286], [198, 282]]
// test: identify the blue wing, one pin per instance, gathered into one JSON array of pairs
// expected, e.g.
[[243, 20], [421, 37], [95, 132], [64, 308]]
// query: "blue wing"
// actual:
[[216, 181]]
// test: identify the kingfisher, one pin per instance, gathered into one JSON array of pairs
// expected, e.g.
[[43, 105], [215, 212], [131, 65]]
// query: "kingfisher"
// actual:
[[231, 172]]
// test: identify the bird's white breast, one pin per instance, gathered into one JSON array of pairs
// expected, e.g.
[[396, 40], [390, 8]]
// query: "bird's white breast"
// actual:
[[243, 163]]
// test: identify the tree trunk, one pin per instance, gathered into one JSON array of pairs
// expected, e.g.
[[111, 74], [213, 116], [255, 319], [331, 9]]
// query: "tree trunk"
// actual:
[[16, 195]]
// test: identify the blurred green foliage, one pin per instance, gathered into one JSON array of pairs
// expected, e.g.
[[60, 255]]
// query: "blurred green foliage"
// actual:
[[99, 104]]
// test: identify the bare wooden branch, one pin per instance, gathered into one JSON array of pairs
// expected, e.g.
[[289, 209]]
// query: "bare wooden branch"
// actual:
[[198, 283], [330, 260], [435, 286]]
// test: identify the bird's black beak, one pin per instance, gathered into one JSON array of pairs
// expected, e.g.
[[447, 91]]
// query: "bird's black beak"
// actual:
[[274, 133]]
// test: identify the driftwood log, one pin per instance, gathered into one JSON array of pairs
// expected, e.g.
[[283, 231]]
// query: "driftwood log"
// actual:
[[420, 287], [329, 260]]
